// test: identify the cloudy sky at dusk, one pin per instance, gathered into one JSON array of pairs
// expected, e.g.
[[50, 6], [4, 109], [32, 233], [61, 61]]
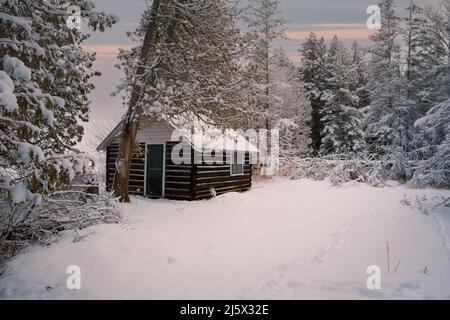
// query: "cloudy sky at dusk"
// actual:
[[346, 18]]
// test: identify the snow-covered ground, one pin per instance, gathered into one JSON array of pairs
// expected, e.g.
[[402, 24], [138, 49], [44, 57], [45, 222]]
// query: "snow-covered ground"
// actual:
[[283, 239]]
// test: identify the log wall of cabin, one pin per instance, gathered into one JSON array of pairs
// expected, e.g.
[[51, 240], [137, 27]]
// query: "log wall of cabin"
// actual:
[[178, 177], [218, 176], [194, 181], [137, 171]]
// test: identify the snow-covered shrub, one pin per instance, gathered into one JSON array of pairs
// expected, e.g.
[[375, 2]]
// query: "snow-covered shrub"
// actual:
[[338, 169], [345, 171], [41, 219], [435, 170], [397, 165], [69, 199]]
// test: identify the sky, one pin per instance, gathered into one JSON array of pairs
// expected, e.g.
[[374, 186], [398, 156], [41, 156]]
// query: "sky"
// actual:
[[345, 18]]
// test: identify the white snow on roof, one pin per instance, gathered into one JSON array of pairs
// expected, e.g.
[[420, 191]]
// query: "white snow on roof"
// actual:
[[204, 135], [198, 131]]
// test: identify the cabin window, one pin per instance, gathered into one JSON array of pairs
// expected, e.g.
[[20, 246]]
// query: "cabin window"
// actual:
[[237, 163]]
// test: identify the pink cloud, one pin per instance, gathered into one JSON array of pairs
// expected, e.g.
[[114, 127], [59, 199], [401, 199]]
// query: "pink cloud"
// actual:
[[342, 30], [106, 50]]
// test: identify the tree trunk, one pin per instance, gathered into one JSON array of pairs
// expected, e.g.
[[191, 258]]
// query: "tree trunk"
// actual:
[[267, 124], [123, 162], [132, 117]]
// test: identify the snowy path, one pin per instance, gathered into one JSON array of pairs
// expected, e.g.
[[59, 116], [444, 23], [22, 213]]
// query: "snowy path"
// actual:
[[283, 239]]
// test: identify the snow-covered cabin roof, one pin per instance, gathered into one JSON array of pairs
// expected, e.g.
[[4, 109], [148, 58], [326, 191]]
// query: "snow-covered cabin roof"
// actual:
[[200, 132]]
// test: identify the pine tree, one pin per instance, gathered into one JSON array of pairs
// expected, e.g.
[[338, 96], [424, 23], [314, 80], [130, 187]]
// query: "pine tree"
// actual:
[[44, 83], [189, 60], [388, 118], [291, 110], [411, 36], [313, 74], [432, 82], [341, 120], [426, 42], [359, 69], [435, 171], [433, 41], [264, 26]]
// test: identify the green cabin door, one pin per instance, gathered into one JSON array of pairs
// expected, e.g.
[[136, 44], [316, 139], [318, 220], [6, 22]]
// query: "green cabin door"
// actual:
[[154, 179]]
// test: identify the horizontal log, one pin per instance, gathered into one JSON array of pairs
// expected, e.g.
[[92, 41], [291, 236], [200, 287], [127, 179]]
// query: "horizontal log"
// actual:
[[137, 172], [177, 192], [213, 165], [226, 169], [213, 174], [178, 167], [169, 162], [174, 186], [178, 183], [177, 178], [137, 177], [178, 173], [182, 188], [218, 185], [225, 173], [213, 168], [223, 178]]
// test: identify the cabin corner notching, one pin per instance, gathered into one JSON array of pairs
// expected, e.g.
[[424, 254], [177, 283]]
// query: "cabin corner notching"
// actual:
[[154, 174]]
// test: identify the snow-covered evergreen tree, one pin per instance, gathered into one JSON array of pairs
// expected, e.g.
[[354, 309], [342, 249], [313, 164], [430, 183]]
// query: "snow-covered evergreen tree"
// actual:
[[341, 119], [264, 25], [388, 117], [435, 171], [410, 31], [433, 42], [44, 82], [432, 82], [359, 68], [313, 74], [426, 78], [291, 109]]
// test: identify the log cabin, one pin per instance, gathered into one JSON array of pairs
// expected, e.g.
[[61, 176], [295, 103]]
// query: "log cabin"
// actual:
[[213, 161]]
